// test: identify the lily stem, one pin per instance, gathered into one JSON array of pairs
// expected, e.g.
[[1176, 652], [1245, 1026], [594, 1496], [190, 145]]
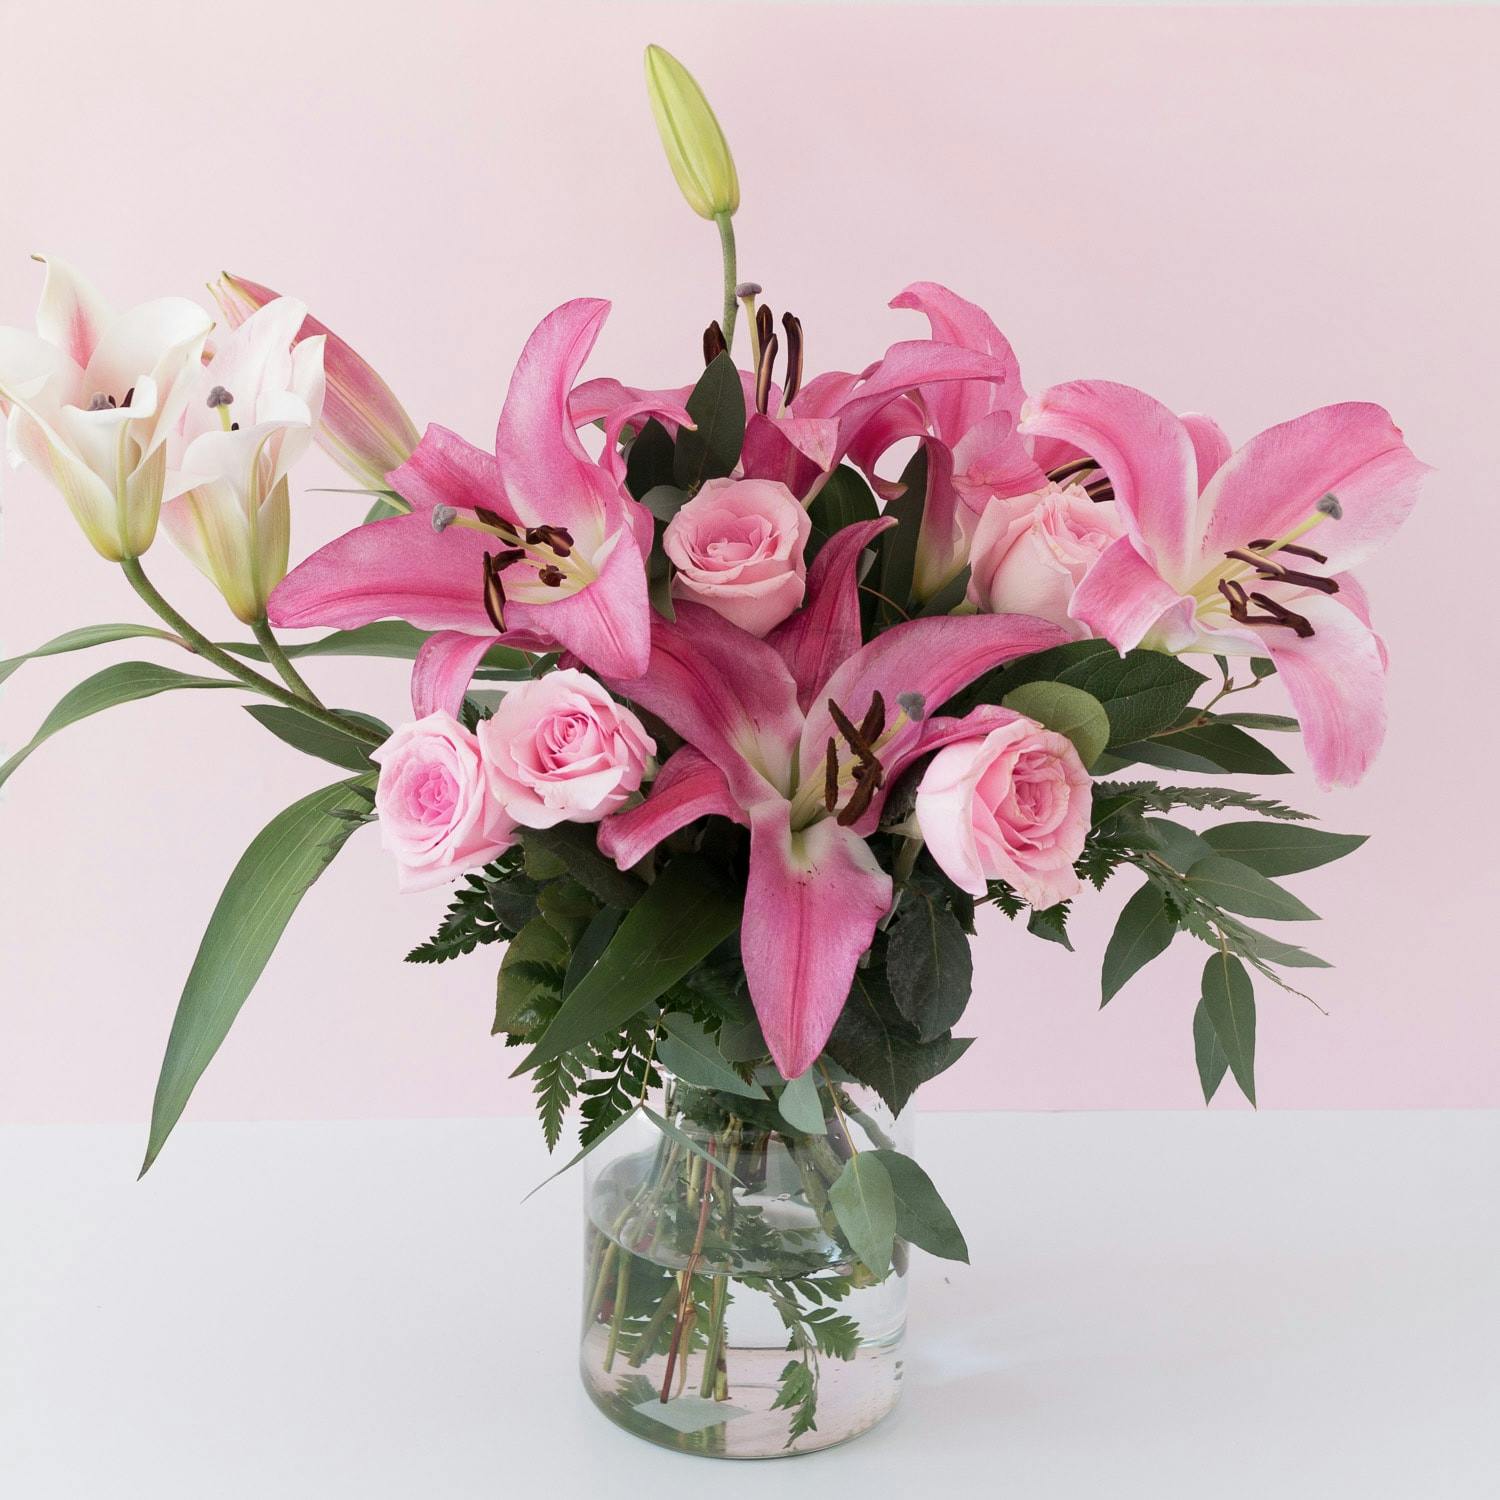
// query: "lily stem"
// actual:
[[282, 662], [731, 276], [200, 645]]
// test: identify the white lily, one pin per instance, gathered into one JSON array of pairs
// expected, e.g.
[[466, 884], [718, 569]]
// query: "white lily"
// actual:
[[253, 410], [91, 397]]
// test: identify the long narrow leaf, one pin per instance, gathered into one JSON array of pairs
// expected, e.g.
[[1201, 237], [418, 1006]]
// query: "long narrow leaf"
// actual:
[[124, 682], [272, 877], [81, 640]]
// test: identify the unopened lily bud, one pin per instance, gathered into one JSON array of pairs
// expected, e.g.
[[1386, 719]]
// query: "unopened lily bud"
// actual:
[[365, 429], [696, 149]]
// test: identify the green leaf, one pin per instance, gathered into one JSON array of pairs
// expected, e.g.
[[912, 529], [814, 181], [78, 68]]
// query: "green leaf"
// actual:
[[1229, 1002], [1068, 711], [1142, 692], [568, 907], [801, 1107], [1279, 848], [717, 405], [1270, 723], [526, 995], [682, 917], [385, 507], [844, 499], [1236, 887], [1179, 846], [1145, 929], [742, 1041], [1273, 951], [579, 1155], [921, 1215], [880, 1049], [1209, 1055], [81, 640], [1148, 796], [1050, 923], [124, 682], [575, 846], [689, 1051], [682, 1138], [1210, 747], [664, 501], [863, 1200], [263, 891], [314, 737], [597, 936], [929, 966], [896, 549], [648, 460]]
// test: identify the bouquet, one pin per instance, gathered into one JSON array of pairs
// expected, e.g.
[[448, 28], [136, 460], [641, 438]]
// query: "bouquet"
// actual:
[[735, 708]]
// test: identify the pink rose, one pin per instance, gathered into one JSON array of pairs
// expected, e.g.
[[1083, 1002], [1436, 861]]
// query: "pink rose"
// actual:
[[1013, 805], [561, 750], [436, 814], [737, 547], [1030, 553]]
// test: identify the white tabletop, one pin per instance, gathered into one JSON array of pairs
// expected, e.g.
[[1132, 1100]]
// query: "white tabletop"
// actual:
[[1162, 1305]]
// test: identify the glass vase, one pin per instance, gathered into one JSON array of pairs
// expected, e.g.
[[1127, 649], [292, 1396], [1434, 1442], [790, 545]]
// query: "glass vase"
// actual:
[[725, 1313]]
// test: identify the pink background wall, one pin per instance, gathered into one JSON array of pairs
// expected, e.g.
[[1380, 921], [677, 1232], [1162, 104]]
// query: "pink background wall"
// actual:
[[1248, 212]]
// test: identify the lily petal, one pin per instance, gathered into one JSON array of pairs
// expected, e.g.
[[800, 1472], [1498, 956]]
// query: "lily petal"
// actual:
[[445, 469], [934, 657], [1353, 451], [443, 670], [1211, 445], [1336, 680], [72, 314], [812, 902], [727, 693], [826, 630], [688, 786], [1122, 597], [1143, 447], [796, 451]]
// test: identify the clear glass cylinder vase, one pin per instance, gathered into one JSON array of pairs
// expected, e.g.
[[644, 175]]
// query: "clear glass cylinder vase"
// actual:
[[725, 1311]]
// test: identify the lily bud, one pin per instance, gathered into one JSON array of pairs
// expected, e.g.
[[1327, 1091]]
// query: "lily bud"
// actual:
[[365, 429], [696, 149]]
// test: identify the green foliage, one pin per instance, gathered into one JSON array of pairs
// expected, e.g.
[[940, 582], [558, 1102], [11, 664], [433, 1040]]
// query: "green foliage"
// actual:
[[124, 682], [863, 1200], [1235, 887], [1228, 1002], [574, 846], [1207, 1053], [711, 449], [81, 640], [315, 737], [1148, 796], [1051, 923], [262, 892], [921, 1215], [1275, 849], [928, 964], [844, 499], [622, 1072], [802, 1107], [1066, 710], [1145, 928], [689, 1051], [896, 549], [487, 908], [1201, 742], [649, 460]]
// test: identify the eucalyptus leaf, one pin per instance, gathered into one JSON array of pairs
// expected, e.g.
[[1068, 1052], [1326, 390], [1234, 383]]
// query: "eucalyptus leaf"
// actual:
[[263, 891], [1236, 887], [1229, 1002], [1207, 748], [801, 1107], [1179, 846], [1280, 848], [689, 1051], [1207, 1053], [124, 682], [921, 1215], [863, 1200], [1144, 931], [1269, 723], [1066, 710]]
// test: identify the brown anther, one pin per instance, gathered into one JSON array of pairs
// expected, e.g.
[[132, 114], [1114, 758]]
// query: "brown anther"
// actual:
[[1067, 471], [1309, 581], [765, 325], [558, 538], [793, 382], [551, 575], [1268, 566], [1295, 550], [873, 724], [1281, 615], [763, 372], [494, 591], [128, 397], [713, 342], [1275, 614], [494, 519], [1099, 490], [853, 736], [831, 776], [867, 781]]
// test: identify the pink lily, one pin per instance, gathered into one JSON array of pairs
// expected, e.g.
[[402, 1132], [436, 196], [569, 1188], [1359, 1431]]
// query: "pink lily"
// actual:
[[535, 545], [364, 428], [976, 450], [1216, 555], [766, 749]]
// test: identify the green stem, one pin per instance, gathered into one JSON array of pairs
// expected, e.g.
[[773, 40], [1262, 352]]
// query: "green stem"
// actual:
[[282, 662], [200, 644], [622, 1288], [731, 276]]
